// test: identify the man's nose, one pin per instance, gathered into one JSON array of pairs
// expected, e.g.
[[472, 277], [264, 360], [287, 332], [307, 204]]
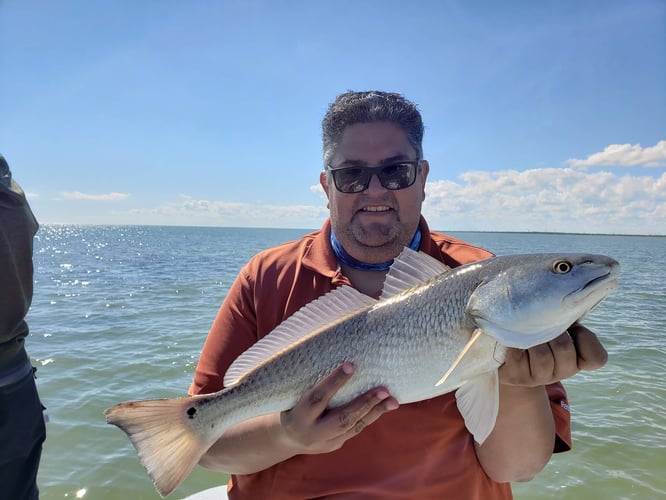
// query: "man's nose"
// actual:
[[375, 184]]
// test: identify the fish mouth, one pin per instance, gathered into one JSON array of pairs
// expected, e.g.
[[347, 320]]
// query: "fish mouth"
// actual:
[[607, 280], [594, 284], [599, 287], [596, 280]]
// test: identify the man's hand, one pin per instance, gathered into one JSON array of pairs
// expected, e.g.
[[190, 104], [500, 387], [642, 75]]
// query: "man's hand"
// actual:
[[576, 349], [312, 428]]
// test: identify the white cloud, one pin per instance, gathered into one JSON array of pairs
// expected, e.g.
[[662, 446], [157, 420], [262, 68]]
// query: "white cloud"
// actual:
[[625, 155], [548, 199], [544, 199], [318, 190], [77, 195], [191, 211]]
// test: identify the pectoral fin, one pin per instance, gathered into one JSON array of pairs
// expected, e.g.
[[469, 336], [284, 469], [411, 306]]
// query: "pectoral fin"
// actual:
[[478, 402], [475, 336]]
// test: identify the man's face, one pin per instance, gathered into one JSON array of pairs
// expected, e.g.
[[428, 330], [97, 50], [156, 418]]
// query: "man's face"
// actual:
[[374, 225]]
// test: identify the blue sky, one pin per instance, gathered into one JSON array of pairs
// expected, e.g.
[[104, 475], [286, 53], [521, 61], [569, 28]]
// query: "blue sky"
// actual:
[[540, 116]]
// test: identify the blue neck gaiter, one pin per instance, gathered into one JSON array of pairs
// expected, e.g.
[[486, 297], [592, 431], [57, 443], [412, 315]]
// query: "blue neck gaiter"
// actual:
[[345, 258]]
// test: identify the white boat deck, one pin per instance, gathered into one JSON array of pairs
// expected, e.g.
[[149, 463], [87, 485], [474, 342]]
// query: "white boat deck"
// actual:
[[216, 493]]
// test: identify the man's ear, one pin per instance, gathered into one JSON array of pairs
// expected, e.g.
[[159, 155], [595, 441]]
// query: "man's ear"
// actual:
[[324, 182], [425, 168]]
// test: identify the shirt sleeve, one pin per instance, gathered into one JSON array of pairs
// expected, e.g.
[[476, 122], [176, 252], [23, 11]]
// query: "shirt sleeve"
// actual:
[[562, 415]]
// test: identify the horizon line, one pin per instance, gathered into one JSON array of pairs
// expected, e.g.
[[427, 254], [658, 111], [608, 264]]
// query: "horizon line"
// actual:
[[646, 235]]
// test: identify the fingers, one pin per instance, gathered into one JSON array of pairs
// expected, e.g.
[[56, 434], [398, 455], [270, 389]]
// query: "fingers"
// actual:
[[564, 358], [317, 398], [301, 422], [542, 364], [362, 411], [575, 350], [591, 354], [312, 428], [516, 369]]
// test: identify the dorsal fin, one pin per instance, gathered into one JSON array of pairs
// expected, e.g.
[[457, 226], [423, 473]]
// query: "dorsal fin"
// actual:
[[325, 311], [411, 269]]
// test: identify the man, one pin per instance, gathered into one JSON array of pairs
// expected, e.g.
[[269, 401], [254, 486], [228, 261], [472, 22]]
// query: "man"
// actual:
[[374, 179], [22, 429]]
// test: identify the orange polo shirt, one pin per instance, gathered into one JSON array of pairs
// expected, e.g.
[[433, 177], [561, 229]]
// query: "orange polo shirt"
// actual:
[[421, 450]]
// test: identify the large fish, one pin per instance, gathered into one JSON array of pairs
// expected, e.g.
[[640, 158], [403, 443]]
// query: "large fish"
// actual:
[[433, 330]]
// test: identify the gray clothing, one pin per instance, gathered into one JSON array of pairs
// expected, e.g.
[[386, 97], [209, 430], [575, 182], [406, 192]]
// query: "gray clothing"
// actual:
[[17, 230], [22, 429]]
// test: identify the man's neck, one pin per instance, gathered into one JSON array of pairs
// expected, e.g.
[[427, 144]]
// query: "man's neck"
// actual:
[[367, 282]]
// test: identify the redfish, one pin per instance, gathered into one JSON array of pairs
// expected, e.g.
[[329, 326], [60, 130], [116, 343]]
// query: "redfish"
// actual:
[[433, 330]]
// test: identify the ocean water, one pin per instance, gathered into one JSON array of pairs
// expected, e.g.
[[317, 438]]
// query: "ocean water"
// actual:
[[121, 313]]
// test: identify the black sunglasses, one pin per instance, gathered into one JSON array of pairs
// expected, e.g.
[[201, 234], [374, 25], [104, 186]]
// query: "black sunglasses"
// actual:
[[399, 175]]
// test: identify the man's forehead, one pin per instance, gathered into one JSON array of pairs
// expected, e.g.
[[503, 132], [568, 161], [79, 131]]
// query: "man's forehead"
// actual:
[[373, 142]]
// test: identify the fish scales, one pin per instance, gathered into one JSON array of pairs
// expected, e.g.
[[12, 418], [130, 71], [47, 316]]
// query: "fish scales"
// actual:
[[402, 351]]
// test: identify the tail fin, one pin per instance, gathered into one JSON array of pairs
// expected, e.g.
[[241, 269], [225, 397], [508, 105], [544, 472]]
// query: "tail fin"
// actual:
[[167, 445]]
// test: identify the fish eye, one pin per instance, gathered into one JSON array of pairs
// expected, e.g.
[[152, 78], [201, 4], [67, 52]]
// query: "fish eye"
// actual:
[[562, 266]]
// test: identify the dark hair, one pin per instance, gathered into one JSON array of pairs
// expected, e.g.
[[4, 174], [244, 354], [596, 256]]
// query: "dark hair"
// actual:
[[372, 106]]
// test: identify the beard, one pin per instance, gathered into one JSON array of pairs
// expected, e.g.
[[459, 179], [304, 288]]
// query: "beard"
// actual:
[[374, 243]]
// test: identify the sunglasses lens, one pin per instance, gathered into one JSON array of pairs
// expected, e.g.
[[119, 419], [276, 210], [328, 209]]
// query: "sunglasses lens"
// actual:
[[351, 180], [357, 179], [398, 176]]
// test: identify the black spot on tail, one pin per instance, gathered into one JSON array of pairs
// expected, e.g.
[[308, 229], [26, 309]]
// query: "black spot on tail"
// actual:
[[191, 411]]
